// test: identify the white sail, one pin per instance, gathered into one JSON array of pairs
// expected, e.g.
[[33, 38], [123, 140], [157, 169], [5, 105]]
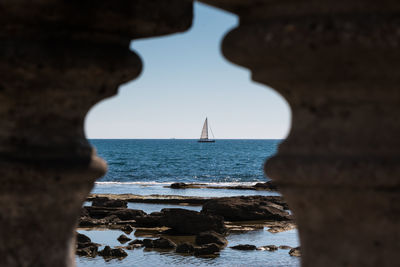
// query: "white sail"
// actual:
[[204, 132]]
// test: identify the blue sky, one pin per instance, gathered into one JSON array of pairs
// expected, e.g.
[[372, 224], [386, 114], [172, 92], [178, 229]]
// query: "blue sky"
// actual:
[[185, 78]]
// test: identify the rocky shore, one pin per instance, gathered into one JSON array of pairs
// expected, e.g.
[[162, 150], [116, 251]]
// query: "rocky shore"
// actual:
[[267, 186], [181, 230]]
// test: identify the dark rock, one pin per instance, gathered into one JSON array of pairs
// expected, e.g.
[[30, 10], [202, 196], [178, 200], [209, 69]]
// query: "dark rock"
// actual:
[[99, 212], [295, 252], [128, 214], [268, 248], [133, 246], [185, 248], [244, 247], [182, 221], [87, 244], [156, 213], [178, 185], [127, 229], [108, 252], [266, 186], [136, 241], [88, 251], [210, 237], [106, 202], [245, 208], [148, 221], [208, 249], [81, 238], [285, 247], [123, 239], [162, 243]]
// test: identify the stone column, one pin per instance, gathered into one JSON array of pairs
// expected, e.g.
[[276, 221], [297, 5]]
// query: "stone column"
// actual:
[[57, 59], [337, 63]]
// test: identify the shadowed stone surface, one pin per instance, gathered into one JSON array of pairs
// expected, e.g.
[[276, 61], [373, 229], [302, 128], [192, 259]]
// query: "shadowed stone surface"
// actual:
[[337, 64], [58, 59]]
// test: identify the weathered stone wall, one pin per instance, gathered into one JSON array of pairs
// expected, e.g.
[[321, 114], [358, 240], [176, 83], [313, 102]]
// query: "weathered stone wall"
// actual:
[[337, 64], [58, 59]]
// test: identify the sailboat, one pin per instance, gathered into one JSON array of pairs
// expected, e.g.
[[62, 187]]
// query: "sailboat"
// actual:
[[204, 134]]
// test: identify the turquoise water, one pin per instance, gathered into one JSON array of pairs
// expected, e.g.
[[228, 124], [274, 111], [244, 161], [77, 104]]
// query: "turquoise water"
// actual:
[[146, 167]]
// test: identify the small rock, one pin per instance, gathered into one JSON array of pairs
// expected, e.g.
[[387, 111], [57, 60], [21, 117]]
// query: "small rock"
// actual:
[[267, 185], [111, 203], [136, 242], [285, 247], [208, 249], [127, 229], [295, 252], [81, 238], [244, 247], [268, 248], [123, 239], [128, 214], [178, 185], [210, 237], [108, 252], [90, 251], [133, 246], [184, 248]]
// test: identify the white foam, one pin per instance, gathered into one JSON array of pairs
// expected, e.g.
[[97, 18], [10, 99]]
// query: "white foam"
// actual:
[[168, 183]]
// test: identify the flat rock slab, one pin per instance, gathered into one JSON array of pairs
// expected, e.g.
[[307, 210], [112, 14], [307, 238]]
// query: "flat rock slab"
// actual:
[[155, 199]]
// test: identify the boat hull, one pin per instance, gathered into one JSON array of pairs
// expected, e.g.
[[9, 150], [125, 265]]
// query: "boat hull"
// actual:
[[206, 141]]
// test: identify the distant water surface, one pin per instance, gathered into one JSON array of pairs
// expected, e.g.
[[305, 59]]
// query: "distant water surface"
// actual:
[[174, 160]]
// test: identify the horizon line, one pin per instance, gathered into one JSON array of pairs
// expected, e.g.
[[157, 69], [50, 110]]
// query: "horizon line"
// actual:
[[185, 138]]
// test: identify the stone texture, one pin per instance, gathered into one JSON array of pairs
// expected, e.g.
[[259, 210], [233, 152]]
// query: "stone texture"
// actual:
[[337, 64], [245, 208], [58, 59]]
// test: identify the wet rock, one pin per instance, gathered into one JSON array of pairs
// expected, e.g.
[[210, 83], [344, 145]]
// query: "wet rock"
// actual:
[[127, 229], [208, 249], [133, 246], [285, 247], [123, 239], [182, 221], [185, 248], [148, 221], [295, 252], [128, 214], [89, 251], [178, 185], [266, 186], [108, 252], [211, 237], [246, 208], [280, 226], [136, 242], [244, 247], [106, 202], [81, 238], [85, 247], [162, 243], [268, 248]]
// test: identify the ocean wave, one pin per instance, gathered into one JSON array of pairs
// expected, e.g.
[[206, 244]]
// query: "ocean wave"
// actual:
[[154, 183]]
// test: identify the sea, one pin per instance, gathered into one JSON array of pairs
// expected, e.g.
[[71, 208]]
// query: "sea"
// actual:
[[148, 166]]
